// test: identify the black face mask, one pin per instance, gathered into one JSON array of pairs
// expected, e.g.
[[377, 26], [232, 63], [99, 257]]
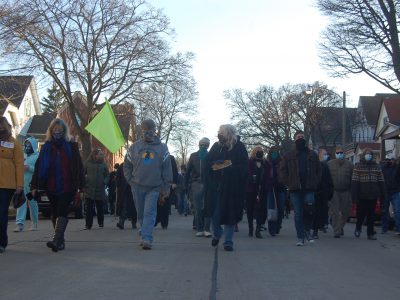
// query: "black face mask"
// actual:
[[300, 144], [221, 139], [28, 149], [259, 154]]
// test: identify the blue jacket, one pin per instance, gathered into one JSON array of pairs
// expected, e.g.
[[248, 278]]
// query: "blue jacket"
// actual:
[[30, 161]]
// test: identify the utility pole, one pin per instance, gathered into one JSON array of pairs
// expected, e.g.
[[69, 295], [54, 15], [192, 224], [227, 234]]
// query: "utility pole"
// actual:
[[344, 120]]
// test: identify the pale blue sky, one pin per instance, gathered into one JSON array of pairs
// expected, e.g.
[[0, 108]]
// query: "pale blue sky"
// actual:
[[247, 43]]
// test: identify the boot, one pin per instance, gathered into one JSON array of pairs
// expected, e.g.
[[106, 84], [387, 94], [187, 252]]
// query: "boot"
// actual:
[[58, 242], [258, 232]]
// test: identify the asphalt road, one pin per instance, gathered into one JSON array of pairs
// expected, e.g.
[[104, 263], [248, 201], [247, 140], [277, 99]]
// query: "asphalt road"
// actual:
[[108, 264]]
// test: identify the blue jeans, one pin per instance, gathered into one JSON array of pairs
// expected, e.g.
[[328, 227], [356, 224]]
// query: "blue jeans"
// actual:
[[146, 205], [217, 229], [303, 205], [275, 226], [33, 210], [395, 200], [5, 199], [197, 195]]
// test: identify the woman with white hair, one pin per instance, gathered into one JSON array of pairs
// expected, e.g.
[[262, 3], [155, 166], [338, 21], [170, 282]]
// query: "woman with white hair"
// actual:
[[59, 173], [227, 171]]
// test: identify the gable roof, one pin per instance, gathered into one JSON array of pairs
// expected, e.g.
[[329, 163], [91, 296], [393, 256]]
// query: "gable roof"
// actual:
[[13, 90], [40, 123], [392, 106], [371, 106]]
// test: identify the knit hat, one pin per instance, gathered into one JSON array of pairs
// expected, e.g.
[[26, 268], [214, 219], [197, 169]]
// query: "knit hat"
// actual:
[[204, 141]]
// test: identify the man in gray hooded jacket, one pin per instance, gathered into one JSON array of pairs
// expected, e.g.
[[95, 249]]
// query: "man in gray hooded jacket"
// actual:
[[147, 168]]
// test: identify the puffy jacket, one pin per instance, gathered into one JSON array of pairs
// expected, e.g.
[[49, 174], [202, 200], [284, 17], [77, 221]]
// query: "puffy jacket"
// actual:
[[97, 176], [11, 164]]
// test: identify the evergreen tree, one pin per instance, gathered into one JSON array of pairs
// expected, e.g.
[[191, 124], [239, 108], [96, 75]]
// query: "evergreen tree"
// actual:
[[54, 101]]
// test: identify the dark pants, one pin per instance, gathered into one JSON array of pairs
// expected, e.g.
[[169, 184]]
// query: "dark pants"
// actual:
[[5, 199], [366, 208], [321, 212], [163, 213], [60, 204], [90, 203], [111, 201], [252, 209]]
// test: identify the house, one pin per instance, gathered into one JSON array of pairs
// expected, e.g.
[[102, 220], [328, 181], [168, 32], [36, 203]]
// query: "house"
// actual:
[[124, 114], [19, 100], [327, 133], [387, 130]]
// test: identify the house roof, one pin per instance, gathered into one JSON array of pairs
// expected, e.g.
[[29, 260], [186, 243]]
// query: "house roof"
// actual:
[[13, 90], [392, 106], [371, 106], [329, 125], [40, 123], [373, 146]]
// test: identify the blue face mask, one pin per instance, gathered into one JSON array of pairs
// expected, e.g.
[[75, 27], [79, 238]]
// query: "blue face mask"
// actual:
[[339, 155], [325, 157], [368, 157], [274, 155]]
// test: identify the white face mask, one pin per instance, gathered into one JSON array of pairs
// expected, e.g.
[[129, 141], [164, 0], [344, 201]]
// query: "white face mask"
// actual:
[[368, 157]]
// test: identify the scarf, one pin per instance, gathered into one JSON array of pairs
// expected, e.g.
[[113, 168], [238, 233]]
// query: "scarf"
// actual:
[[203, 154], [46, 156]]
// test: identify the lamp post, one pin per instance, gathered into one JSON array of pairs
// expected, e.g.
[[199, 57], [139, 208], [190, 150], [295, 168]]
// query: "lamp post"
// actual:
[[344, 120]]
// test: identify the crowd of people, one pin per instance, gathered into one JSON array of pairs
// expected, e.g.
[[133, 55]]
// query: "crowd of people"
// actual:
[[217, 186]]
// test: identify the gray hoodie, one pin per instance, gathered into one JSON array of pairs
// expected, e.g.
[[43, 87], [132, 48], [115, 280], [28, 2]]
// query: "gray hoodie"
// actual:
[[147, 164]]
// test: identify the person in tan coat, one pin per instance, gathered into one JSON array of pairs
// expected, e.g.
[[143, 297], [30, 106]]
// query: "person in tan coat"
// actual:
[[12, 175]]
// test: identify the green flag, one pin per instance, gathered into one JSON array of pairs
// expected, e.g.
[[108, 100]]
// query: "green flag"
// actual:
[[105, 129]]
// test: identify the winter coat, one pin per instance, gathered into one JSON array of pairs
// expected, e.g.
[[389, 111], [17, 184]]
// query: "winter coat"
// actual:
[[124, 194], [289, 171], [391, 174], [367, 181], [30, 161], [228, 185], [148, 164], [341, 173], [78, 177], [11, 164], [325, 186], [195, 170], [255, 175], [97, 176]]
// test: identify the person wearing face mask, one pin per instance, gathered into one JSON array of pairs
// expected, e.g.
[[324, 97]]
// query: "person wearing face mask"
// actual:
[[31, 155], [148, 170], [300, 170], [59, 173], [195, 181], [367, 185], [12, 175], [254, 205], [227, 169], [323, 195], [391, 173], [97, 175], [273, 189], [340, 205]]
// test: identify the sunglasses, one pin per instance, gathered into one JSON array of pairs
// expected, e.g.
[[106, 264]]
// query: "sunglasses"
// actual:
[[339, 152]]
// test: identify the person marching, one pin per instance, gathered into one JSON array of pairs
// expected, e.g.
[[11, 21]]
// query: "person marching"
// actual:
[[147, 168], [341, 171], [31, 155], [97, 176], [12, 177], [125, 208], [59, 173]]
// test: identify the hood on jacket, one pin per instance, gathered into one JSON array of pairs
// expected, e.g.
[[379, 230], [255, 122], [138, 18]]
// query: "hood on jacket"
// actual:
[[34, 143]]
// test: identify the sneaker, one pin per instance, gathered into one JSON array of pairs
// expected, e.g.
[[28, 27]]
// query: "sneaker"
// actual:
[[200, 233], [88, 227], [214, 242], [2, 249], [357, 233], [372, 237], [263, 228], [300, 243], [101, 225], [228, 248], [34, 227], [19, 228], [207, 234], [309, 238], [120, 226], [146, 245]]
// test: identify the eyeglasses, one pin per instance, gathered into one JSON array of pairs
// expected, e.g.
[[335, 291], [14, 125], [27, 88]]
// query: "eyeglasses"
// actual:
[[339, 152]]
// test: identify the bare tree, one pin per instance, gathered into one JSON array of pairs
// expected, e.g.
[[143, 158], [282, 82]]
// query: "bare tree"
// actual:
[[270, 117], [184, 141], [99, 46], [362, 37]]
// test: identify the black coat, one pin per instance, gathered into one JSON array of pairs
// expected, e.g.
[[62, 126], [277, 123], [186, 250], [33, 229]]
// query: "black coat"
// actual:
[[227, 185], [325, 185]]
